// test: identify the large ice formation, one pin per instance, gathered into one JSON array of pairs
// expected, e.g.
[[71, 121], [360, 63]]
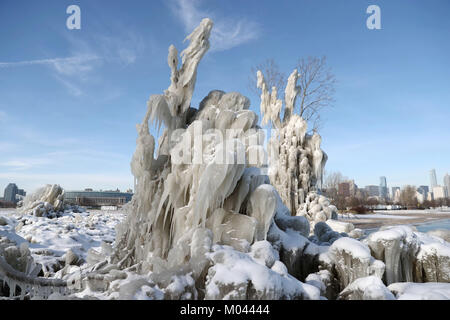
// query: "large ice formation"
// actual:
[[46, 201], [296, 160]]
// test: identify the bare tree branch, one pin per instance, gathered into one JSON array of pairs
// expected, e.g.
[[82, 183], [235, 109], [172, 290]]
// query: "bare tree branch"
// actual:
[[316, 81], [272, 75]]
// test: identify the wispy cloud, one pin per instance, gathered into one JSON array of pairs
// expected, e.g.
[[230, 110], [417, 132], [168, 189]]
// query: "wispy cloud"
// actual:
[[66, 66], [227, 32], [25, 163], [80, 68], [71, 87], [67, 70]]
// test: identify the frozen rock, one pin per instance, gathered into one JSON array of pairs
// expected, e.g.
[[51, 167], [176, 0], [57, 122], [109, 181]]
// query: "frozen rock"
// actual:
[[264, 253], [325, 282], [236, 275], [352, 260], [420, 291], [340, 226], [397, 248], [356, 233], [433, 263], [3, 221], [367, 288], [280, 267], [299, 224], [324, 235], [300, 256]]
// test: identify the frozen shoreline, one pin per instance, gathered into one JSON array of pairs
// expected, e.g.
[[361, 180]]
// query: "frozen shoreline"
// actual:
[[397, 217]]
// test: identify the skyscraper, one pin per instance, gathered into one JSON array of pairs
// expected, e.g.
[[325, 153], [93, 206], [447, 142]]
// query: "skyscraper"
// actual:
[[433, 180], [10, 192], [447, 183], [383, 188]]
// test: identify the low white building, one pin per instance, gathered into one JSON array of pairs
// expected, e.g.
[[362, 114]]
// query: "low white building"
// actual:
[[440, 192], [420, 197], [108, 208]]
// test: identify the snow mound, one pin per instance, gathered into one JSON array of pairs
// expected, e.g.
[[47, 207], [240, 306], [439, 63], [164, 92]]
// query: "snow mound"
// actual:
[[367, 288], [420, 291]]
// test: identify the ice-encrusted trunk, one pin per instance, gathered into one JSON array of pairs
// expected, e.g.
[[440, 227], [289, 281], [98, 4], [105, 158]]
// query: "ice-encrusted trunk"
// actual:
[[295, 157]]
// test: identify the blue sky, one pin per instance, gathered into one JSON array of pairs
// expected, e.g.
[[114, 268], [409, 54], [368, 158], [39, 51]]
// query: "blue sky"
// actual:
[[70, 99]]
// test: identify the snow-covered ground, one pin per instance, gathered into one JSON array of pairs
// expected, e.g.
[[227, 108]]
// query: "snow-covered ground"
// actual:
[[50, 239], [424, 220], [370, 216], [433, 211]]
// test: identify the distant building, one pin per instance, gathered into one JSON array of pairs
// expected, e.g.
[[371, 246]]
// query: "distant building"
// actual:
[[373, 191], [396, 194], [447, 183], [97, 198], [394, 190], [10, 193], [424, 191], [383, 188], [433, 180], [420, 197], [439, 192], [347, 188]]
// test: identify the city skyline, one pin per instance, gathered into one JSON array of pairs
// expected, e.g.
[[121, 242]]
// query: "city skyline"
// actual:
[[373, 188], [70, 102]]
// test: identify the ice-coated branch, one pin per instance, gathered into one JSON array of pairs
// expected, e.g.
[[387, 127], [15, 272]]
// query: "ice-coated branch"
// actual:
[[270, 104], [290, 95], [171, 108], [29, 284]]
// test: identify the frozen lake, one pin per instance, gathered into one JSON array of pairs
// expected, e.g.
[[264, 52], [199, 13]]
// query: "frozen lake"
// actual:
[[428, 226], [421, 227]]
